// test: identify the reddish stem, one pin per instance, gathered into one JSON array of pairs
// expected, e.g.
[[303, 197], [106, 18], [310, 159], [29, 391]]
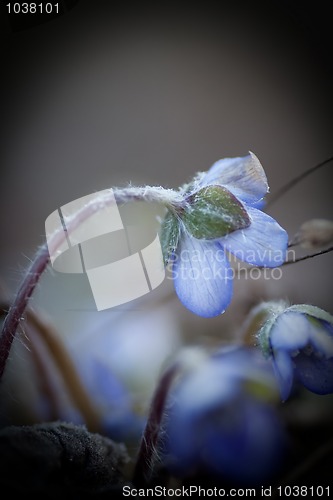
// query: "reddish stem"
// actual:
[[144, 465], [16, 311], [42, 258]]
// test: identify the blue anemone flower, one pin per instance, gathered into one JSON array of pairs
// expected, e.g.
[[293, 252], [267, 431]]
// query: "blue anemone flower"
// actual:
[[221, 421], [220, 215], [118, 360], [299, 341]]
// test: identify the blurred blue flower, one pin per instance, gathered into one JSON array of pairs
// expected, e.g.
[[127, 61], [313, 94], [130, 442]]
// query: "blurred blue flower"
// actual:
[[221, 421], [119, 418], [299, 341], [119, 358], [221, 215]]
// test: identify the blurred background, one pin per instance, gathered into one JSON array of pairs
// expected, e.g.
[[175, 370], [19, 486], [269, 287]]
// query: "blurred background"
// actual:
[[108, 94]]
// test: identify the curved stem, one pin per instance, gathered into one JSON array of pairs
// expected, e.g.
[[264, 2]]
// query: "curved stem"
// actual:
[[16, 311], [144, 465], [42, 258], [289, 185]]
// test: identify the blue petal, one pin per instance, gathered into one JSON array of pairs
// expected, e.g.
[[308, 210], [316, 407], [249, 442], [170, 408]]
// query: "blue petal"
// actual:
[[283, 368], [202, 276], [314, 373], [227, 432], [182, 442], [294, 330], [213, 381], [106, 389], [263, 243], [244, 362], [258, 204], [245, 443], [321, 337], [243, 176], [291, 331]]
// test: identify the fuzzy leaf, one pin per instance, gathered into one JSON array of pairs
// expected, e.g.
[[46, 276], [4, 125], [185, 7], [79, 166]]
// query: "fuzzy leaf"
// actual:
[[214, 212]]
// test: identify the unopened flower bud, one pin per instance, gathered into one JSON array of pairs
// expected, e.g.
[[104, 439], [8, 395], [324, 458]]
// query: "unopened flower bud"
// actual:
[[315, 234], [298, 340]]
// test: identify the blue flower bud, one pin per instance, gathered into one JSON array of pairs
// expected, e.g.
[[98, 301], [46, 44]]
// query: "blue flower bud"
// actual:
[[298, 340], [221, 421]]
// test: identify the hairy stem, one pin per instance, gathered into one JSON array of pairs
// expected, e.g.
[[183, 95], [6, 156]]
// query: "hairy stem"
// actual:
[[144, 466], [105, 198], [21, 300]]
